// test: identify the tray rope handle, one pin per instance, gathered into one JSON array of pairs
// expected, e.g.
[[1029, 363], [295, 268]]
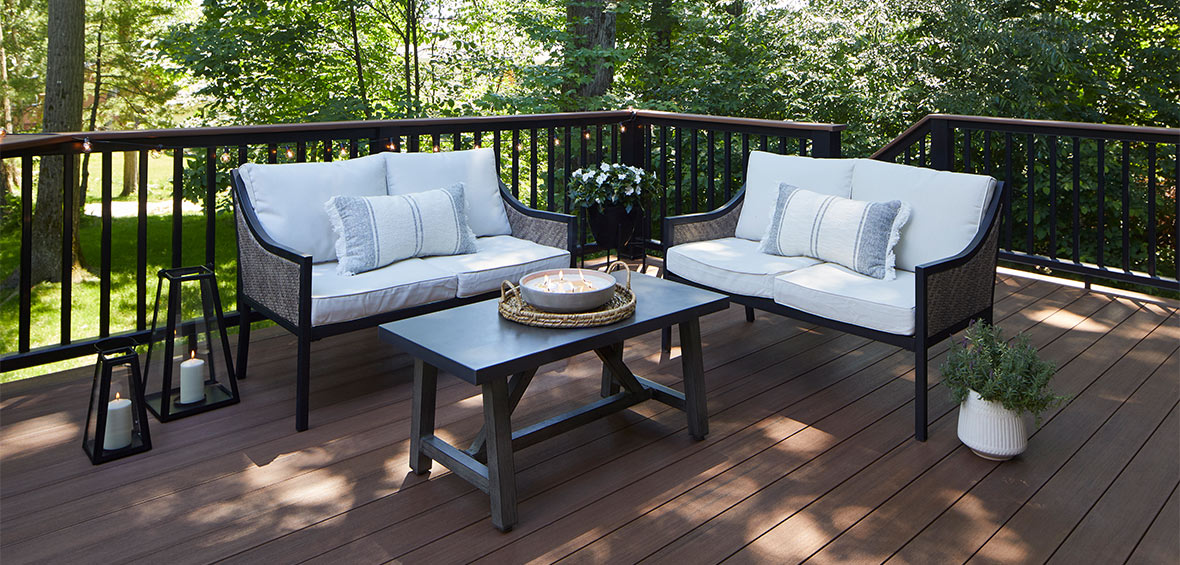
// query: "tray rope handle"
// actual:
[[506, 289], [615, 266]]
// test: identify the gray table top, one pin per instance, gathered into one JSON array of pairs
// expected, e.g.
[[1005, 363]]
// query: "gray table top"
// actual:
[[474, 343]]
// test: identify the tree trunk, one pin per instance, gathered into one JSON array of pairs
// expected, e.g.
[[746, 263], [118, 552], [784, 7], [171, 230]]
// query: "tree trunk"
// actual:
[[356, 55], [130, 173], [62, 112], [591, 26]]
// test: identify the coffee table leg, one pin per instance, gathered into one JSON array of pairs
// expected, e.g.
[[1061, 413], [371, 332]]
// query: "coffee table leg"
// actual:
[[694, 378], [609, 384], [422, 417], [501, 469]]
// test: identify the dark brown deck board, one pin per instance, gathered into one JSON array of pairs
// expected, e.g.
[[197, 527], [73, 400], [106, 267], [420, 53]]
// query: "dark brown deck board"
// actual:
[[810, 451]]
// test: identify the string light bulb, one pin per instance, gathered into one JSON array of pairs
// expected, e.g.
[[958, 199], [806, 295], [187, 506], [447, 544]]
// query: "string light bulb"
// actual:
[[344, 151], [623, 128], [86, 145], [436, 149], [290, 153], [391, 145], [3, 132], [556, 141], [225, 157], [587, 134], [519, 146]]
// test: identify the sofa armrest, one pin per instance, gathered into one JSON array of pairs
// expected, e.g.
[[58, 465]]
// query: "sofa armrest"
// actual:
[[958, 287], [540, 226], [716, 224], [271, 275]]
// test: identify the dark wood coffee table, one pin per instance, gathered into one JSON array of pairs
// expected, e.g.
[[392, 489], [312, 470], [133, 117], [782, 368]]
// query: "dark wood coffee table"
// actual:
[[475, 344]]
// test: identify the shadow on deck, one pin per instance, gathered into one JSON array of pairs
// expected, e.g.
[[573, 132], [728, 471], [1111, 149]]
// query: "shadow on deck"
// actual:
[[809, 457]]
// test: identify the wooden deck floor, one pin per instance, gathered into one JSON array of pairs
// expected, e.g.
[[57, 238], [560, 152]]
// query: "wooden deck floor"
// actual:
[[809, 459]]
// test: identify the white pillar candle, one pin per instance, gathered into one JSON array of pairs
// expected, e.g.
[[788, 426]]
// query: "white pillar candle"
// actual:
[[118, 433], [192, 380]]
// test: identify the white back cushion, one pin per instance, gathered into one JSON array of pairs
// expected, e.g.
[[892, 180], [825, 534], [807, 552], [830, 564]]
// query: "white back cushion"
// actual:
[[946, 208], [475, 168], [289, 198], [766, 171]]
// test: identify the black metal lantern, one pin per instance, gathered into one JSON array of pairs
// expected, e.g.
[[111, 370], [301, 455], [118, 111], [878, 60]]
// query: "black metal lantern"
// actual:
[[116, 426], [188, 362]]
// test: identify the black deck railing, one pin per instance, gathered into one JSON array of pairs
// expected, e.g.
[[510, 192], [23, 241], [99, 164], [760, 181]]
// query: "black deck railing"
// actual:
[[699, 159], [1095, 200]]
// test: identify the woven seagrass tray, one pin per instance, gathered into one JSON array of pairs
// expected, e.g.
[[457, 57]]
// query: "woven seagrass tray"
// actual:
[[620, 307]]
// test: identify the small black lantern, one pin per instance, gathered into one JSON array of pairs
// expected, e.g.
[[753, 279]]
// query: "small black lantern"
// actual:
[[116, 427], [188, 356]]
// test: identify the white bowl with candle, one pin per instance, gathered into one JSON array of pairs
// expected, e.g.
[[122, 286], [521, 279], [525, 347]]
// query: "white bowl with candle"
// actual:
[[567, 290]]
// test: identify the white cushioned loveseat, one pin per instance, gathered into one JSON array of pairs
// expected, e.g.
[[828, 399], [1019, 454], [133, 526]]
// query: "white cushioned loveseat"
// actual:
[[945, 256], [287, 258]]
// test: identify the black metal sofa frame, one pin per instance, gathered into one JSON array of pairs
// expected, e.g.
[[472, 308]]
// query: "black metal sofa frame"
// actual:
[[950, 293], [275, 281]]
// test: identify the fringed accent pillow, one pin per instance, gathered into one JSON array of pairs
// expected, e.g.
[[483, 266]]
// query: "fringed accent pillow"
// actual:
[[856, 234], [374, 231]]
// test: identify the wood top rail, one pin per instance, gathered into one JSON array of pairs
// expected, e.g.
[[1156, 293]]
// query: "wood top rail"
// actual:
[[26, 144], [1018, 125]]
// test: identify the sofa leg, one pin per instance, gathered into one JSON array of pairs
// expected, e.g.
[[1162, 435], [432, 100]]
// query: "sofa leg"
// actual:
[[666, 339], [302, 382], [243, 340], [920, 390], [749, 314]]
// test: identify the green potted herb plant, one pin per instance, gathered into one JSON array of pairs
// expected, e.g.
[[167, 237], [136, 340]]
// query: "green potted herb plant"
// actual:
[[996, 383], [612, 195]]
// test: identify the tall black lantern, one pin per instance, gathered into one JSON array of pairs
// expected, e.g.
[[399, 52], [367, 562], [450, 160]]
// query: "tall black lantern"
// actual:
[[116, 422], [188, 363]]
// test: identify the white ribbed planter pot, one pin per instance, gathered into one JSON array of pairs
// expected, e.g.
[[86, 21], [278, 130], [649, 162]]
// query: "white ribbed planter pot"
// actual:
[[990, 430]]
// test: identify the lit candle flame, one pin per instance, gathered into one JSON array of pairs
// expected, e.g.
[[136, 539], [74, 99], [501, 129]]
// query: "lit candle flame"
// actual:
[[194, 354], [116, 396]]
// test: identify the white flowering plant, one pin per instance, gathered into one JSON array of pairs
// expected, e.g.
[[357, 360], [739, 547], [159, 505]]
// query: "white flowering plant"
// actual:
[[610, 184]]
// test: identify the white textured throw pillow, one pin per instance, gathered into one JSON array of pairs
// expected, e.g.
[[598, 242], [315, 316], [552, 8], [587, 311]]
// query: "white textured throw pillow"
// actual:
[[856, 234], [374, 231]]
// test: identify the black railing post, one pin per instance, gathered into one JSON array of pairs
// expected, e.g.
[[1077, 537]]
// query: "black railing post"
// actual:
[[941, 141], [826, 144]]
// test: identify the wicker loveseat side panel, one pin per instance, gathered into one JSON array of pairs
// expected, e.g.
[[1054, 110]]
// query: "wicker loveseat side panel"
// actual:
[[544, 231], [267, 279], [721, 226], [955, 294]]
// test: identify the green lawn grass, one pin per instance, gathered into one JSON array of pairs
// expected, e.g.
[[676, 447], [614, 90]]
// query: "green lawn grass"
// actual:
[[85, 302]]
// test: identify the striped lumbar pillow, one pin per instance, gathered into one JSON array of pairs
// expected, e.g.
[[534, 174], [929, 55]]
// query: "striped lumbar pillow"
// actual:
[[374, 231], [856, 234]]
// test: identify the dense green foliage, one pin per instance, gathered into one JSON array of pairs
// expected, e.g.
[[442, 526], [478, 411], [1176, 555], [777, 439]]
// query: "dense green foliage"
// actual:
[[1009, 373]]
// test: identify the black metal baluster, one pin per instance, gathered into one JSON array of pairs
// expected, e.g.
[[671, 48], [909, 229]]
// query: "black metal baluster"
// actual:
[[496, 148], [569, 159], [477, 139], [1010, 216], [677, 141], [967, 150], [26, 252], [802, 147], [710, 169], [551, 158], [516, 163], [1076, 228], [1101, 202], [987, 153], [726, 166], [177, 207], [907, 154], [782, 145], [1030, 189], [141, 244], [663, 171], [533, 167], [211, 206], [1176, 211], [326, 150], [67, 248], [1126, 205], [584, 147], [692, 154], [598, 143], [353, 148], [614, 144], [745, 155], [435, 142], [457, 141], [272, 153], [1053, 197], [300, 152], [104, 280], [1151, 218], [922, 153]]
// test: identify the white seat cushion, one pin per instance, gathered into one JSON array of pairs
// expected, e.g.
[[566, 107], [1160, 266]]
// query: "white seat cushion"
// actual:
[[498, 258], [289, 198], [837, 293], [946, 208], [766, 171], [475, 168], [732, 264], [339, 298]]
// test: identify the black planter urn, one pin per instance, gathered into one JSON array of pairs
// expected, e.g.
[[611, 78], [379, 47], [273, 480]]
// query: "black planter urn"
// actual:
[[613, 226]]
